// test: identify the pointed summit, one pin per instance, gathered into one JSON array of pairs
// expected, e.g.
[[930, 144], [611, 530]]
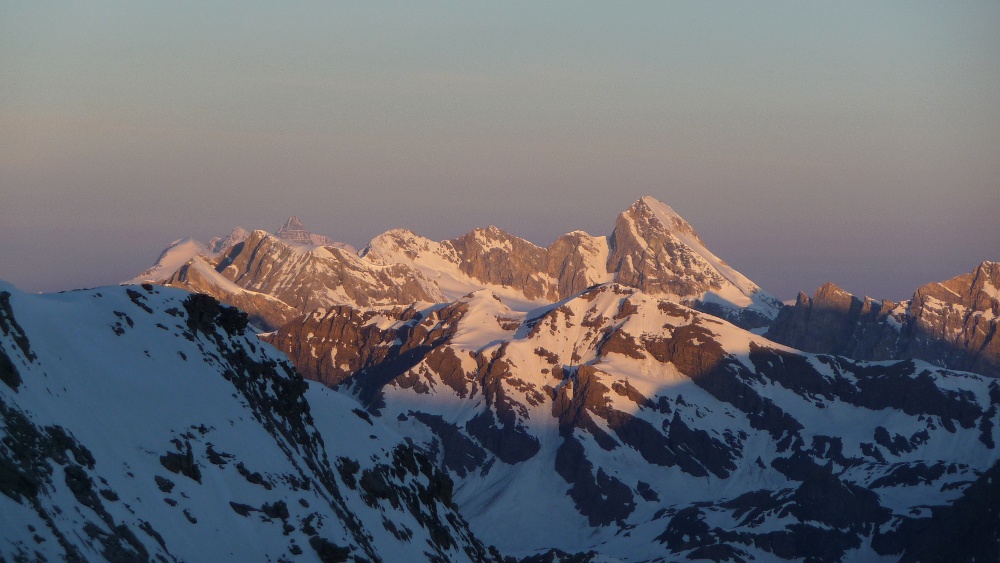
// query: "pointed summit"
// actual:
[[294, 231], [654, 249], [650, 211], [292, 224]]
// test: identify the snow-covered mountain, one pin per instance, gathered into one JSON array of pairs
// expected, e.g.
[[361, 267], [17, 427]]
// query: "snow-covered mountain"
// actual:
[[182, 251], [628, 425], [952, 324], [651, 248], [611, 398], [146, 423], [175, 256]]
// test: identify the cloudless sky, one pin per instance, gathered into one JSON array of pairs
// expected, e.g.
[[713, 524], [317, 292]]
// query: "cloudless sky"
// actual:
[[854, 142]]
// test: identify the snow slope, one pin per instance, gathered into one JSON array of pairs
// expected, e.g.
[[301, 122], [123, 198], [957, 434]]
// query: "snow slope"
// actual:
[[146, 423], [179, 253]]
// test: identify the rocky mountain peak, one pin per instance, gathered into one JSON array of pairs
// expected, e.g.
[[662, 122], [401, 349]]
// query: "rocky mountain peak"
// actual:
[[258, 235], [986, 283], [983, 283], [802, 299], [294, 231], [979, 289], [388, 247], [654, 249], [831, 292], [172, 258], [651, 214], [292, 224], [393, 239], [494, 237]]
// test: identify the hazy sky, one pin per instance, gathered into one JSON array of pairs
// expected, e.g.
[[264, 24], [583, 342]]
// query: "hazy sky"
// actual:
[[854, 142]]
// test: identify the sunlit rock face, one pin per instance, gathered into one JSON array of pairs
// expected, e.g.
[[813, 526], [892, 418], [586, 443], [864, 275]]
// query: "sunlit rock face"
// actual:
[[951, 324], [654, 249]]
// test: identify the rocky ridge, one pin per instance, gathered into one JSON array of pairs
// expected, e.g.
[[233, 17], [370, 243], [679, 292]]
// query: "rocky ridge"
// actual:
[[951, 324]]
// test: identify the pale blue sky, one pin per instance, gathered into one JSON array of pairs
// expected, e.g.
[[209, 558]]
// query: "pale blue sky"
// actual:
[[854, 142]]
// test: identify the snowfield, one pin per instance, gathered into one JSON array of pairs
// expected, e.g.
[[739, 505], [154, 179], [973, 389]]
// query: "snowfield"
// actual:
[[145, 423]]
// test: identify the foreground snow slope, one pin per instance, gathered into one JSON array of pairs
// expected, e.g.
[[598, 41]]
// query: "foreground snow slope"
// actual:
[[147, 423]]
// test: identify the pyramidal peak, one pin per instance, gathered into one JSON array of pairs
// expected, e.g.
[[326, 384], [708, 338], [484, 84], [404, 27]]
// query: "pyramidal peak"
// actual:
[[294, 232], [648, 208], [292, 224], [654, 249]]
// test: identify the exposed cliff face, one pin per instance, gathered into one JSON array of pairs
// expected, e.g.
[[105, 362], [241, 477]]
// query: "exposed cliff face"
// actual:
[[574, 260], [951, 324], [957, 320], [492, 256], [647, 252], [516, 269], [648, 429], [834, 321], [199, 276], [653, 249], [307, 278], [146, 423]]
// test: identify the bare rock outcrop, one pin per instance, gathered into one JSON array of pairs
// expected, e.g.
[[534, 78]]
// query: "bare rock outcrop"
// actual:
[[655, 250], [308, 279], [495, 257], [952, 323], [264, 310]]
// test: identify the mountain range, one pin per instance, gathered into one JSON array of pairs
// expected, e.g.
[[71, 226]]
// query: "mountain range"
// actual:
[[276, 277], [651, 248], [627, 397]]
